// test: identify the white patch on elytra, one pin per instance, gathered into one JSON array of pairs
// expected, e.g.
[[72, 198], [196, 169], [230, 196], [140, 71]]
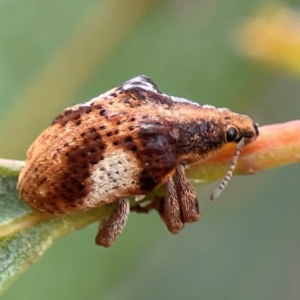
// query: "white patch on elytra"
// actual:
[[139, 82], [183, 100], [222, 109], [208, 106], [101, 97], [112, 178]]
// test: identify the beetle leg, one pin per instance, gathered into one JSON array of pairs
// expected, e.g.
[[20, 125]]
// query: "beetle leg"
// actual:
[[171, 213], [168, 207], [156, 204], [187, 196], [111, 228], [179, 206]]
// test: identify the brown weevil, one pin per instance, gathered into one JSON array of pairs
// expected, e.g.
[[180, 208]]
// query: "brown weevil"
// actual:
[[128, 142]]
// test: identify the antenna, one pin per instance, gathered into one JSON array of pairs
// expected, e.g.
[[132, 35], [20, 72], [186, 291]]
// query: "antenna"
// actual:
[[217, 192]]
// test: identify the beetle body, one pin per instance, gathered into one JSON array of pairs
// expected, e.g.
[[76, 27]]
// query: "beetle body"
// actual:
[[126, 142]]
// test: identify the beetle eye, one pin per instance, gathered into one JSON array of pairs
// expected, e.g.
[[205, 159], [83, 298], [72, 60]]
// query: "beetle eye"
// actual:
[[231, 134], [255, 125]]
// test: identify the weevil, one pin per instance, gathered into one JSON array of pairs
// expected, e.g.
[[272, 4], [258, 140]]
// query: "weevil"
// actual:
[[128, 142]]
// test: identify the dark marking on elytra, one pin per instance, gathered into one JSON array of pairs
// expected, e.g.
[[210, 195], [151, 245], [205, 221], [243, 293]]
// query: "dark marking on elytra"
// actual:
[[75, 114], [128, 140], [80, 158], [147, 183], [86, 109]]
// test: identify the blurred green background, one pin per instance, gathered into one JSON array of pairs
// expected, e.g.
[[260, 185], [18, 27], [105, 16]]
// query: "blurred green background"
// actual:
[[60, 52]]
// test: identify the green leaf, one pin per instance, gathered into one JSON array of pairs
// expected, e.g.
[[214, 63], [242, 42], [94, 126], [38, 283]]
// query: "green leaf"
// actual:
[[25, 235]]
